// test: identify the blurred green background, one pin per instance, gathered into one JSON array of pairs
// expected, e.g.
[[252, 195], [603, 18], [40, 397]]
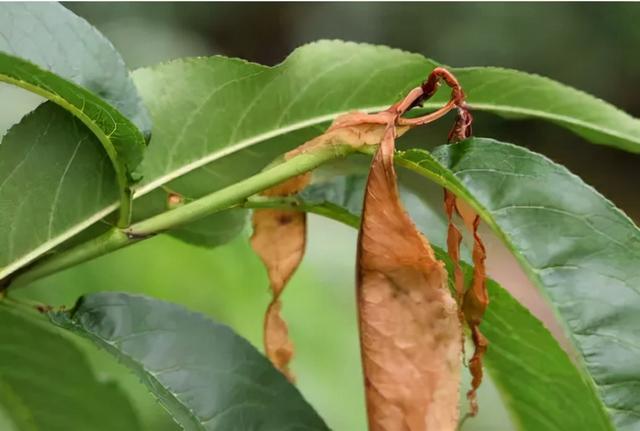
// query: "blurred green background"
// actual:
[[591, 46]]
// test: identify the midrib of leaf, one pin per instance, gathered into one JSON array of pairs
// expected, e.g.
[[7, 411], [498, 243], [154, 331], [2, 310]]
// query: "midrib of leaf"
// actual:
[[506, 109], [244, 144]]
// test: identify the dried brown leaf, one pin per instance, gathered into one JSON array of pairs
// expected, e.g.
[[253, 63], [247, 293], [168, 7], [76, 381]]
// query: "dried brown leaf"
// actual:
[[409, 328], [279, 238], [454, 238], [475, 302]]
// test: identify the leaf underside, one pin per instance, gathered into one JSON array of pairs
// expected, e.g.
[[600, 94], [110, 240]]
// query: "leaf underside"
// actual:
[[205, 375], [49, 51]]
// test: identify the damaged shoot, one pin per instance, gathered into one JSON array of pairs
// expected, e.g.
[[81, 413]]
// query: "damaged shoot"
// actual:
[[411, 326]]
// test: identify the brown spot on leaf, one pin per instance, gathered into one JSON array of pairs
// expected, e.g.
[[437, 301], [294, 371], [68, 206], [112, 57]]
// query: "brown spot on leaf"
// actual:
[[284, 218], [43, 308], [174, 200], [409, 328]]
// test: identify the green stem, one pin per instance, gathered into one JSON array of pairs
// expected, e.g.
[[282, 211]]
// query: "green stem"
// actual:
[[326, 209], [105, 243], [207, 205], [237, 192]]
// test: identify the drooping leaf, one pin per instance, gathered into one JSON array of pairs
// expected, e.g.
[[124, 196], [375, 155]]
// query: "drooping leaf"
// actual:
[[409, 328], [279, 236], [474, 300], [205, 375], [46, 383], [573, 243], [279, 239], [218, 120], [538, 380]]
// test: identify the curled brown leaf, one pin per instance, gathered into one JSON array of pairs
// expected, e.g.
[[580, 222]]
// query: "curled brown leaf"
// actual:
[[454, 238], [409, 328], [279, 238], [474, 305]]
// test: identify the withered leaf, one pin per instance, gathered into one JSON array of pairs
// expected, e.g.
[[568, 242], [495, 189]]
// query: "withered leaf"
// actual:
[[410, 324], [475, 302], [279, 238], [454, 238], [409, 327]]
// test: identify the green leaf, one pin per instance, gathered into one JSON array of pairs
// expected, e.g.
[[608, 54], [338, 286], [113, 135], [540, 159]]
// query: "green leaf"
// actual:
[[210, 124], [540, 384], [51, 178], [49, 51], [538, 380], [204, 374], [46, 383], [219, 120], [515, 94], [573, 243]]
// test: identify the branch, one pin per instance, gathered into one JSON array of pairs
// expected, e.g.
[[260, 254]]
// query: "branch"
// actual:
[[235, 194]]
